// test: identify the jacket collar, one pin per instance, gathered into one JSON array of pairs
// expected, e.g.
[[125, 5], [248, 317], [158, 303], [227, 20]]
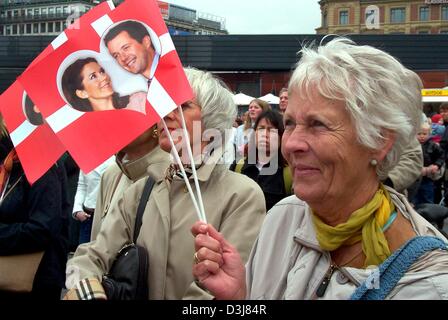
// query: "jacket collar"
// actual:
[[305, 233], [208, 165], [205, 169], [136, 169]]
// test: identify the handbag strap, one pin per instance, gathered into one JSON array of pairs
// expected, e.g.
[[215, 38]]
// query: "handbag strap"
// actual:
[[142, 205], [391, 270]]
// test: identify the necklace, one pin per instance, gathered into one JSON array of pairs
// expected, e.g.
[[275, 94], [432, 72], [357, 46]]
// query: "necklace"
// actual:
[[350, 260], [326, 280], [386, 226]]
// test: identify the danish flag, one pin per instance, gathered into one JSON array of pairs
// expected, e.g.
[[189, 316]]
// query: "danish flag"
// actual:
[[92, 137], [36, 144]]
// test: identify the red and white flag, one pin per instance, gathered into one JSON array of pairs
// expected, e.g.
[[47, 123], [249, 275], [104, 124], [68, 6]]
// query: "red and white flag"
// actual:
[[94, 96], [36, 144]]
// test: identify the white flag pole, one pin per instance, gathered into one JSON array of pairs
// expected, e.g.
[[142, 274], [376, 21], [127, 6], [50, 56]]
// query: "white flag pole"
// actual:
[[193, 166], [179, 162]]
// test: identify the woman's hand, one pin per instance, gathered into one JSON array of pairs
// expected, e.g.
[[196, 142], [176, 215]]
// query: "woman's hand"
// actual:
[[218, 266], [82, 216], [433, 169]]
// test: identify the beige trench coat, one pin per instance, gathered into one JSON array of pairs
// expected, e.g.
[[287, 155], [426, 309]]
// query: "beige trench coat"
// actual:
[[119, 176], [114, 182], [234, 204]]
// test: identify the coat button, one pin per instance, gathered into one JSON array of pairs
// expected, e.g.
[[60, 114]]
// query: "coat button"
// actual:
[[341, 278]]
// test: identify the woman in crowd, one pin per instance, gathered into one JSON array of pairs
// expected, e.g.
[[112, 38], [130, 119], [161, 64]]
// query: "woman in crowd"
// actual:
[[263, 161], [351, 112], [256, 107], [33, 218], [87, 87], [169, 212]]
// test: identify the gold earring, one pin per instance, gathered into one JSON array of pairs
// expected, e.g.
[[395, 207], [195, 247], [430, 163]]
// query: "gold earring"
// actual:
[[155, 133]]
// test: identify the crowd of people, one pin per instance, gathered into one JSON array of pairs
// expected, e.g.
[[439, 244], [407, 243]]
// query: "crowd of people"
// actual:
[[319, 191]]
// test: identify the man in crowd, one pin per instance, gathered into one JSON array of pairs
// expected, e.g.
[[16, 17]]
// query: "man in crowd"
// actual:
[[283, 100]]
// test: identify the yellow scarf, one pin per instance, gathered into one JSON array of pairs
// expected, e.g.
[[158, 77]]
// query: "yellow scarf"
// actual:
[[365, 223]]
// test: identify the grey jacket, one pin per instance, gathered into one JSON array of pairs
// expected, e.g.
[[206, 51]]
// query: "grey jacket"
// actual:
[[287, 262]]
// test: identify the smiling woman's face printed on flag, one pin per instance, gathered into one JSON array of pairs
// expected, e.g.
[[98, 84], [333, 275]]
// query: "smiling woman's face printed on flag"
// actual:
[[86, 84], [31, 111], [88, 87]]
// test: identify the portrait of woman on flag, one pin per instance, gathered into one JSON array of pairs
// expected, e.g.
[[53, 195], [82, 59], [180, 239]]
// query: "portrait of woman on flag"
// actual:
[[88, 87]]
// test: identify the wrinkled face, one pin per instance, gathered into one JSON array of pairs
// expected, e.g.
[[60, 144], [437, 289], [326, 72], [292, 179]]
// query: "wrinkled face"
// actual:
[[96, 82], [320, 144], [254, 111], [266, 136], [132, 55], [423, 135], [192, 115], [283, 101]]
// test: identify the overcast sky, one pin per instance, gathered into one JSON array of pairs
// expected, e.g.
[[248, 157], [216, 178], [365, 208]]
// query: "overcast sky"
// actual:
[[261, 16]]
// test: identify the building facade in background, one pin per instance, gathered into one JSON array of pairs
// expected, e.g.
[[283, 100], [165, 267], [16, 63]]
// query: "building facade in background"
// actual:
[[185, 21], [383, 17], [51, 17], [40, 17]]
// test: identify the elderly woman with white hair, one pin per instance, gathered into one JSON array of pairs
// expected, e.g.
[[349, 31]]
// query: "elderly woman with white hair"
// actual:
[[352, 110], [233, 203]]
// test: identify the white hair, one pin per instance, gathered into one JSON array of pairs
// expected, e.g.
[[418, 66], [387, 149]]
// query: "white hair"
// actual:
[[218, 109], [379, 92]]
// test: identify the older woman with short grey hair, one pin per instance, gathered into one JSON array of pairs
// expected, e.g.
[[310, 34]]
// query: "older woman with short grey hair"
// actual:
[[218, 111], [352, 110], [379, 93]]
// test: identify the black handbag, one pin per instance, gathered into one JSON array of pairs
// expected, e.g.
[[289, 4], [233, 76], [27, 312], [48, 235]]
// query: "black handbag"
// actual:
[[128, 277]]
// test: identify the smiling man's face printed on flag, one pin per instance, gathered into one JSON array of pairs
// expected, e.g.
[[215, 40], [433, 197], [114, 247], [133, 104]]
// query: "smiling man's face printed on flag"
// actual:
[[130, 43]]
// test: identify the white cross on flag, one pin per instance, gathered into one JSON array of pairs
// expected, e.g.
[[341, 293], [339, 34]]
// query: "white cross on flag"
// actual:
[[36, 144]]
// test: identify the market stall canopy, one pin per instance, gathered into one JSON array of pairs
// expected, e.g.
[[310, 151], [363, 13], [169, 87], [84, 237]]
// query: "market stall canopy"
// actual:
[[270, 98], [242, 99]]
